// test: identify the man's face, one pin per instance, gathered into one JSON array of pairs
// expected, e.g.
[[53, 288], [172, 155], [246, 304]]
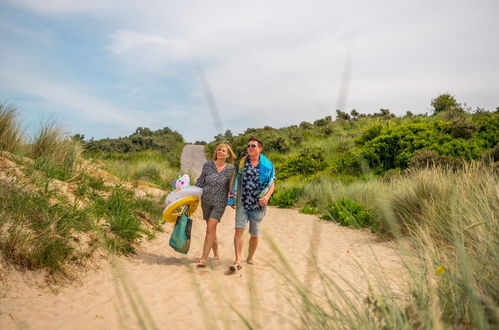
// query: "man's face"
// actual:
[[254, 148]]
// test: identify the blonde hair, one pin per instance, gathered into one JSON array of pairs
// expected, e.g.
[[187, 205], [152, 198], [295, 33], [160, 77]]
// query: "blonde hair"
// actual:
[[230, 153]]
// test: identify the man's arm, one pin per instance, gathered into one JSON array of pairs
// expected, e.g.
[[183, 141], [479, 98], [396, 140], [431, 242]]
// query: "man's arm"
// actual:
[[265, 199]]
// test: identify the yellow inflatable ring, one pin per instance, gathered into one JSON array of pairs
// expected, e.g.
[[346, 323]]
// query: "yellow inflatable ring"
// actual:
[[175, 209]]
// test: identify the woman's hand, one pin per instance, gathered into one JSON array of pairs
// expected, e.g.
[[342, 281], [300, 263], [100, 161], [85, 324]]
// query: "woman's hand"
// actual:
[[263, 201]]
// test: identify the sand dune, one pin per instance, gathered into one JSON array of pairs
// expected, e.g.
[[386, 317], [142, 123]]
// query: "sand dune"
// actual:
[[160, 288]]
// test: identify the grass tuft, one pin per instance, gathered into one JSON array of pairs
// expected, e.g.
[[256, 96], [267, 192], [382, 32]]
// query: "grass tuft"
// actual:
[[10, 131], [54, 152]]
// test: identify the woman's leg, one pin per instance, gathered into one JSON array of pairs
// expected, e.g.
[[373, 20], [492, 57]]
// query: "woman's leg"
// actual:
[[209, 240], [216, 254]]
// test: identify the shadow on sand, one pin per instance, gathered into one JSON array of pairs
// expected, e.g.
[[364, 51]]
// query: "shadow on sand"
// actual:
[[154, 259]]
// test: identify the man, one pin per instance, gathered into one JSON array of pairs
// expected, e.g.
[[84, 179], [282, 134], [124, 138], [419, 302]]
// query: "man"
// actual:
[[253, 185]]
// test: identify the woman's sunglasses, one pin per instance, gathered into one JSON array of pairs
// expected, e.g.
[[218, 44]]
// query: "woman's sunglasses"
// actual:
[[251, 146]]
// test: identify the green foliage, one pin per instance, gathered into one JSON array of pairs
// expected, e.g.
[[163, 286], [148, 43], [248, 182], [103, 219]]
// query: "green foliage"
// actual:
[[349, 213], [150, 173], [286, 198], [120, 211], [309, 209], [445, 102], [395, 145], [306, 163], [429, 158], [36, 233], [144, 165], [54, 152], [166, 141], [488, 129], [10, 132], [323, 122]]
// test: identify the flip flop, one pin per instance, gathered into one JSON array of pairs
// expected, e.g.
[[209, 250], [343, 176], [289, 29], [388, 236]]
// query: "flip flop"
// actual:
[[201, 264], [235, 267]]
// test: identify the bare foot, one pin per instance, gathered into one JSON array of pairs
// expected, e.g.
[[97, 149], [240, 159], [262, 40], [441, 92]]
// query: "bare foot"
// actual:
[[216, 257], [249, 261]]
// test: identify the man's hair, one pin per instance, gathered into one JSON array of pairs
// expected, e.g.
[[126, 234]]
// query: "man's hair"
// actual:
[[260, 143]]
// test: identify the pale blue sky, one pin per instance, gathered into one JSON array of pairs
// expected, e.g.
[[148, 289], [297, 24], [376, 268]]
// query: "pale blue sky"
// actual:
[[103, 68]]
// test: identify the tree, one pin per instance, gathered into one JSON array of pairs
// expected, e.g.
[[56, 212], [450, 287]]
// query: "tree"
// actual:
[[445, 102], [342, 115]]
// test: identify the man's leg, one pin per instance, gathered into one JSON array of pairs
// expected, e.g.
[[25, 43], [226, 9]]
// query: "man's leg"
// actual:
[[238, 244], [253, 243], [256, 218]]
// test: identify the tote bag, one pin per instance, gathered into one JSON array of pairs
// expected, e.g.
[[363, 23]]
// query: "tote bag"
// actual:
[[180, 240]]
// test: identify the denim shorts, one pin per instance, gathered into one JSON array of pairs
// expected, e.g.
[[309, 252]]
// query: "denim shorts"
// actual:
[[254, 217], [213, 212]]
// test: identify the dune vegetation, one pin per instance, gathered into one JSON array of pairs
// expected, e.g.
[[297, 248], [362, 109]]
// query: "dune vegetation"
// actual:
[[57, 206], [430, 182]]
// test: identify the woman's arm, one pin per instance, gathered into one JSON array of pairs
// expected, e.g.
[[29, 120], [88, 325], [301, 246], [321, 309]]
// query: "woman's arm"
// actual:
[[200, 182]]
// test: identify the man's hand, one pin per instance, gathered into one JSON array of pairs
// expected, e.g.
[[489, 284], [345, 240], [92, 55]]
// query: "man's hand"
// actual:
[[263, 201]]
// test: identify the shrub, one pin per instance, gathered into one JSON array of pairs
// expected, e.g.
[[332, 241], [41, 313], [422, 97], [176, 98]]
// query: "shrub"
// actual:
[[308, 162], [397, 144], [462, 128], [10, 132], [429, 158], [445, 102], [349, 213], [309, 209], [285, 198]]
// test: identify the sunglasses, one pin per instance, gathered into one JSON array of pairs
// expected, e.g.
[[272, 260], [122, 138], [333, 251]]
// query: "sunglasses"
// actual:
[[251, 146]]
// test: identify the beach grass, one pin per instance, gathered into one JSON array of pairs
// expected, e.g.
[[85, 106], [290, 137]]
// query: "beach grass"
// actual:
[[11, 138], [450, 221]]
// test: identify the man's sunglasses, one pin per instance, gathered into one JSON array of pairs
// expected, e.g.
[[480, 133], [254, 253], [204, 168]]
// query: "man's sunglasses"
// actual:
[[251, 146]]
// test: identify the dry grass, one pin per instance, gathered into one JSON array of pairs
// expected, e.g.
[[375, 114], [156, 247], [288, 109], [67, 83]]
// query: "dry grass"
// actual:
[[10, 131]]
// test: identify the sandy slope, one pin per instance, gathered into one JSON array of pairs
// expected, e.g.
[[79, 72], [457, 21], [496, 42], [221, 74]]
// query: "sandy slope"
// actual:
[[164, 289]]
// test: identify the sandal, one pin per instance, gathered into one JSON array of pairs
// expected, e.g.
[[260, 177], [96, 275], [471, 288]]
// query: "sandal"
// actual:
[[235, 266], [201, 264]]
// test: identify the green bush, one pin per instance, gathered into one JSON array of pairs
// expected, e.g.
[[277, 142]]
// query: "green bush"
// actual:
[[429, 158], [349, 213], [306, 163], [397, 144], [285, 198], [309, 209]]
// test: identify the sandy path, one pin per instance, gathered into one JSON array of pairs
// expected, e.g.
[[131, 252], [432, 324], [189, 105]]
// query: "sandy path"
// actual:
[[164, 289]]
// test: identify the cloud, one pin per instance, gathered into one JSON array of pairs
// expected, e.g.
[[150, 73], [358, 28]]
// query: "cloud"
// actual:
[[63, 7], [280, 62]]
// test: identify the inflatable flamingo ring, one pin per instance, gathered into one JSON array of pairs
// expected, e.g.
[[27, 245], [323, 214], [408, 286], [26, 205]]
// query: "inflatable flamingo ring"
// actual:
[[179, 199]]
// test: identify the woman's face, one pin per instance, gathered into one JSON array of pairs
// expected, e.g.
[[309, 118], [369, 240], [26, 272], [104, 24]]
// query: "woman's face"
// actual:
[[222, 153]]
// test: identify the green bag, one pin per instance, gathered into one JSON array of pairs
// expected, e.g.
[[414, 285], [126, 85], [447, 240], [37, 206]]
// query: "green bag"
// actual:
[[180, 240]]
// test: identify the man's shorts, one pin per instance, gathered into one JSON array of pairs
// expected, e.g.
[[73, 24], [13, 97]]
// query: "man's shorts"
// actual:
[[255, 218], [210, 211]]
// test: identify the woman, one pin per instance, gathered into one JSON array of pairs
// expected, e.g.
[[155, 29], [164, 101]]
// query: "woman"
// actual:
[[215, 180]]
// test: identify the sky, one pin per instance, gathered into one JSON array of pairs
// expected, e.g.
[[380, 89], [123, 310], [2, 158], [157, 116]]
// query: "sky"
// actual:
[[102, 68]]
